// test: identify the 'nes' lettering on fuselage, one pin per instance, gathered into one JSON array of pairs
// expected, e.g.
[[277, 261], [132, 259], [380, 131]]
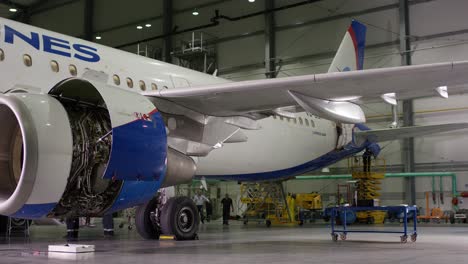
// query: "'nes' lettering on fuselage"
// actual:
[[52, 45]]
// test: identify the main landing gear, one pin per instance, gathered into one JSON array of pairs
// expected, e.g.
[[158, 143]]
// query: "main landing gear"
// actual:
[[178, 217]]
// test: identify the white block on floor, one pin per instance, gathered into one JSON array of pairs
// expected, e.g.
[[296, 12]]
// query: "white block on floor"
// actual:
[[71, 256], [71, 248]]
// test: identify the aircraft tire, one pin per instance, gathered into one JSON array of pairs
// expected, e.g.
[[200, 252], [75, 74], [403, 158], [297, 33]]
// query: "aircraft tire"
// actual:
[[144, 224], [179, 217]]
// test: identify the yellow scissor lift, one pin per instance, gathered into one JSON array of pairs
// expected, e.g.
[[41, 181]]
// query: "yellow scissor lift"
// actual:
[[369, 177], [267, 202]]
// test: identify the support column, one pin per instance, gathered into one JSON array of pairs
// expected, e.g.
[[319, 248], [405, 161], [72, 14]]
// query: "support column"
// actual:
[[270, 40], [167, 29], [408, 116], [88, 20]]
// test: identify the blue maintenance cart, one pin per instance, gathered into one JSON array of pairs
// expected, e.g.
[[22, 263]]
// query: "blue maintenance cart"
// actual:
[[342, 210]]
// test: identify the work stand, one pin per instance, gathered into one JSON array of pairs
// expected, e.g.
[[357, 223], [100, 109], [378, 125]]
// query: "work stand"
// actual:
[[342, 210]]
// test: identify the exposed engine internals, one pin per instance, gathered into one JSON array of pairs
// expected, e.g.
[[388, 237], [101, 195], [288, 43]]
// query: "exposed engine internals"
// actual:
[[87, 193]]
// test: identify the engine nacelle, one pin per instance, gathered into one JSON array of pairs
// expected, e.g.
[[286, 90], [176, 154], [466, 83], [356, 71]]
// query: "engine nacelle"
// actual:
[[84, 149], [36, 150]]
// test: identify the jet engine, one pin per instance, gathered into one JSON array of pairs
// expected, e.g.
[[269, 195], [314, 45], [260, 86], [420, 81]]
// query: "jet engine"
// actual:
[[83, 149]]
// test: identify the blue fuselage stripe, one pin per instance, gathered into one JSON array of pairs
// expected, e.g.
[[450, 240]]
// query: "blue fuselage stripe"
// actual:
[[318, 163]]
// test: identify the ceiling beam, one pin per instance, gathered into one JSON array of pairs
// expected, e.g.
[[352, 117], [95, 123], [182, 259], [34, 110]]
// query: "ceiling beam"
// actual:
[[13, 4]]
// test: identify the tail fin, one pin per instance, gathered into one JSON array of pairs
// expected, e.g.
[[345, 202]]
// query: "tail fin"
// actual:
[[350, 54]]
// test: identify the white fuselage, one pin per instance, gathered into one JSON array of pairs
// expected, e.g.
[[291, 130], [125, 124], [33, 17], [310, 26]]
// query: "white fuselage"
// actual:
[[282, 143]]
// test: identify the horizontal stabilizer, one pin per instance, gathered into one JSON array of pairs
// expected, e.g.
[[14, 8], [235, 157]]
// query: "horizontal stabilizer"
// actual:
[[387, 134]]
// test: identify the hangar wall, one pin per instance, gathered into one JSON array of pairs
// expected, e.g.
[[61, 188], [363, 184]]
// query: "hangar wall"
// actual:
[[306, 38]]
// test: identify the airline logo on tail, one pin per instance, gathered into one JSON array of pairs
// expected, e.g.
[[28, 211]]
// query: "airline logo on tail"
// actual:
[[52, 45]]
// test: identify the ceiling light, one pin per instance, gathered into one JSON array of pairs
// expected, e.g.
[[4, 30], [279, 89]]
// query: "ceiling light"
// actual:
[[13, 10], [195, 12], [98, 37], [148, 25], [139, 27], [251, 1]]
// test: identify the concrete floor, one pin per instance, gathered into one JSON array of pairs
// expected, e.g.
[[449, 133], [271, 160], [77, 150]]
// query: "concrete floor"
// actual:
[[251, 244]]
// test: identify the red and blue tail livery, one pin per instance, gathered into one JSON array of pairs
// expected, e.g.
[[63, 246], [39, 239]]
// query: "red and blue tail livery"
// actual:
[[350, 54], [358, 34]]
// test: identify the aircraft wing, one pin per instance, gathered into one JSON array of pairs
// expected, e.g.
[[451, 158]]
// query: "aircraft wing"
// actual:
[[335, 96], [379, 135]]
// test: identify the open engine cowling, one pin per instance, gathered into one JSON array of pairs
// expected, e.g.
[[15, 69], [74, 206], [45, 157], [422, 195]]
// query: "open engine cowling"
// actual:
[[84, 149]]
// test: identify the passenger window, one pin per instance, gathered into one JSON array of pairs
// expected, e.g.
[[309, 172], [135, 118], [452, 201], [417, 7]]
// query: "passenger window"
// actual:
[[142, 85], [312, 123], [129, 82], [73, 70], [116, 79], [154, 87], [300, 121], [27, 60], [306, 121], [295, 120], [281, 118], [54, 66], [274, 116], [2, 55]]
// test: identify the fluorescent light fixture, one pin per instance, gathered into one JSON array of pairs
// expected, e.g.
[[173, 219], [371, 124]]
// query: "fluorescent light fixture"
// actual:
[[251, 1], [195, 12], [139, 27], [13, 10], [325, 170], [148, 25], [98, 37]]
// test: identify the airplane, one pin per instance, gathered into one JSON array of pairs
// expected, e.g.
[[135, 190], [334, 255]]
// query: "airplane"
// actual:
[[89, 130]]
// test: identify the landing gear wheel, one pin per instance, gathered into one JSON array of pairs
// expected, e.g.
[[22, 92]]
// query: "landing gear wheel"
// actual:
[[179, 217], [334, 237], [268, 223], [343, 236], [130, 227], [144, 222], [414, 237], [404, 239]]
